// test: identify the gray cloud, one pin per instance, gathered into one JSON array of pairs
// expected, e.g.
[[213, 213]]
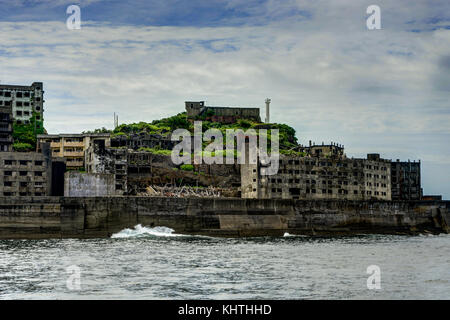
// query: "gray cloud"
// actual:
[[374, 91]]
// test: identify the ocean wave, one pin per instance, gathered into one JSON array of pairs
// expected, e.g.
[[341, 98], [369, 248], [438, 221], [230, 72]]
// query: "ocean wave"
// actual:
[[140, 231], [287, 234]]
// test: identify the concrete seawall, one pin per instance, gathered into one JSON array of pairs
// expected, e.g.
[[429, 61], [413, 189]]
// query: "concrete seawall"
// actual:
[[64, 217]]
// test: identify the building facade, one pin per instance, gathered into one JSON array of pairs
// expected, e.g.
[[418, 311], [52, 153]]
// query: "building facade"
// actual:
[[24, 101], [72, 147], [6, 129], [25, 174], [406, 180], [143, 140], [102, 159], [198, 109], [320, 178]]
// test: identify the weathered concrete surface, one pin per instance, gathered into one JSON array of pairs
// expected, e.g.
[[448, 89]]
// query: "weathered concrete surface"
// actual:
[[49, 217], [83, 184]]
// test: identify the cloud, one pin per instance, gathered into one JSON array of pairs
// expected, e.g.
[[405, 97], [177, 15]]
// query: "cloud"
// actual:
[[328, 76]]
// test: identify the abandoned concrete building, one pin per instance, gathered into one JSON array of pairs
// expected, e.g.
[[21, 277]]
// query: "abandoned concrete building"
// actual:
[[71, 147], [320, 178], [25, 174], [143, 140], [406, 180], [24, 101], [134, 171], [100, 158], [324, 150], [197, 109], [6, 129]]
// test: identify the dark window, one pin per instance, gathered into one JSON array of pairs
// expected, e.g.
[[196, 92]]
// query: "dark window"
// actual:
[[23, 173]]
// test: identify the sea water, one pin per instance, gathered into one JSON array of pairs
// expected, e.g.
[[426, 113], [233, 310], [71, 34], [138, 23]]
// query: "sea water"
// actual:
[[156, 263]]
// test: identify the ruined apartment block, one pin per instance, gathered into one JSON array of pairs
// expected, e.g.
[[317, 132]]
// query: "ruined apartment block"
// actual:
[[25, 174], [102, 159], [6, 129], [143, 140], [198, 109], [24, 101], [320, 178], [406, 180], [71, 147]]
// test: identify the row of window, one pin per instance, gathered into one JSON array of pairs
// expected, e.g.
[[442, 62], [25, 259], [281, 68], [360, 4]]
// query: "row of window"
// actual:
[[19, 94], [37, 184], [22, 162], [330, 191], [376, 176], [22, 194], [24, 173], [8, 102]]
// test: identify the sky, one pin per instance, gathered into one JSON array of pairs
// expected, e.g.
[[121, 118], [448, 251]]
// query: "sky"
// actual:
[[381, 91]]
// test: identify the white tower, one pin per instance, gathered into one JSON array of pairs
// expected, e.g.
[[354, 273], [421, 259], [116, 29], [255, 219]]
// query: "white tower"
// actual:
[[268, 110]]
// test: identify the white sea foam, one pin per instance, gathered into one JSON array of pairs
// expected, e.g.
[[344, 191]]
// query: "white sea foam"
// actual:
[[287, 234], [140, 231]]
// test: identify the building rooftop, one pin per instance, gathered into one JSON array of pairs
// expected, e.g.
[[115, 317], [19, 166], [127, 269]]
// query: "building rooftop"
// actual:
[[73, 135]]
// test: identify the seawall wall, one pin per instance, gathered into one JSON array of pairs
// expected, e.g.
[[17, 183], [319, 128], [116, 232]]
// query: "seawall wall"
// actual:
[[63, 217]]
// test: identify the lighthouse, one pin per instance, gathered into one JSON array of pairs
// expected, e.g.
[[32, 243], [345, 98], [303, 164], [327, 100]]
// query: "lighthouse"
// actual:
[[268, 110]]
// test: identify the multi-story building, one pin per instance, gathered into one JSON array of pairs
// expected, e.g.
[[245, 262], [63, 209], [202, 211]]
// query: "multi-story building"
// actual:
[[24, 101], [6, 138], [143, 140], [323, 150], [406, 180], [320, 178], [72, 147], [198, 109], [25, 174], [102, 159]]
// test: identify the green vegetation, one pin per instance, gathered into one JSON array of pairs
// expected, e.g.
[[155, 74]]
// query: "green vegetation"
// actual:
[[22, 147], [102, 130], [187, 167], [156, 151], [293, 153], [25, 134], [165, 126]]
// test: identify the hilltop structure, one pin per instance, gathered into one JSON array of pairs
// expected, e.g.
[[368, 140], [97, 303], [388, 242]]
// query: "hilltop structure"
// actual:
[[198, 110]]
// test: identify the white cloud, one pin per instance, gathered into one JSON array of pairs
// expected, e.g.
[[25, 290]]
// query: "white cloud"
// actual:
[[328, 76]]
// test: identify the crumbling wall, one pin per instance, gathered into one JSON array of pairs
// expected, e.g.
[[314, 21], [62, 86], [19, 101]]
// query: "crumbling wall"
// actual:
[[82, 184]]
